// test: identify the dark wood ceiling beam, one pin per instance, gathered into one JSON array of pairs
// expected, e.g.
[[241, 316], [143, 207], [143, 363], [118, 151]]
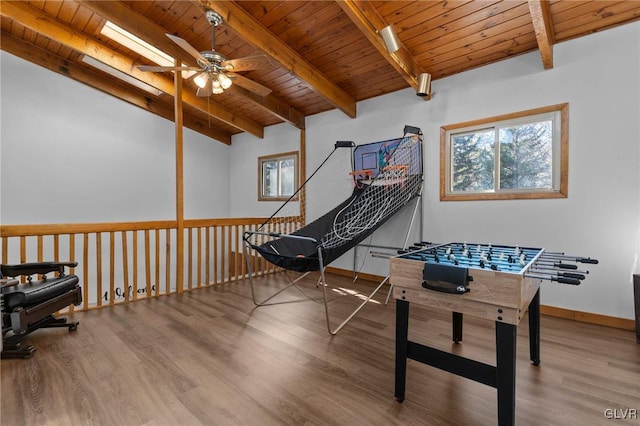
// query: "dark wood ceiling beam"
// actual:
[[106, 84], [253, 32], [148, 30], [47, 26], [543, 27], [369, 21]]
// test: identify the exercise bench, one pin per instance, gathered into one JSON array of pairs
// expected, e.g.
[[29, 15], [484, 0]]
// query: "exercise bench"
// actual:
[[31, 305]]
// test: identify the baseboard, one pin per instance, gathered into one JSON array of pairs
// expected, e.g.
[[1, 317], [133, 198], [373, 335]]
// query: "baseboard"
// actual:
[[348, 273], [588, 317], [552, 311]]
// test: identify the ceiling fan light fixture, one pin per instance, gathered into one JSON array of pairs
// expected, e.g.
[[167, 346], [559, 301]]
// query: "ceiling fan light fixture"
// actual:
[[390, 38], [201, 80], [225, 81]]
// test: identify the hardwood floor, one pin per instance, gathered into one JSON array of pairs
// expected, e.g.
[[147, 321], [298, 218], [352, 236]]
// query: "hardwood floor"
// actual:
[[210, 357]]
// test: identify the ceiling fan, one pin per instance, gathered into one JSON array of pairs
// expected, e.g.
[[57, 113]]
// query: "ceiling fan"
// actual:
[[216, 72]]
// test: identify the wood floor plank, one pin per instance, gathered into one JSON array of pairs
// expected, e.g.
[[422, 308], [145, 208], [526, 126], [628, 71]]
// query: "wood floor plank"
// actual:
[[210, 357]]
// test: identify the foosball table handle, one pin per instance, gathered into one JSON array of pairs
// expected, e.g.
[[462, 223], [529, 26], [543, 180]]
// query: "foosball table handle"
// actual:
[[565, 280]]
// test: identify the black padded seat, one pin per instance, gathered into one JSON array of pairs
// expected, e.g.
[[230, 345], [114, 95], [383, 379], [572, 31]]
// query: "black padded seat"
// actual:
[[31, 305], [29, 294]]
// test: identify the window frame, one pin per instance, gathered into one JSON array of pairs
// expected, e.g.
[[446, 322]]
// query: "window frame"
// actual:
[[560, 155], [277, 157]]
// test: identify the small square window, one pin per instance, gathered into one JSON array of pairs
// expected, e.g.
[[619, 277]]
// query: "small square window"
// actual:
[[278, 178]]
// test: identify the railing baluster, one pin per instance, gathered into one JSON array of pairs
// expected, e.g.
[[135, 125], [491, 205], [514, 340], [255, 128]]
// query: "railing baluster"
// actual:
[[72, 258], [112, 269], [85, 270], [125, 267], [39, 252], [190, 258], [147, 260], [235, 251], [167, 271], [215, 255], [5, 250], [23, 254], [40, 243], [135, 265], [223, 269], [99, 267], [199, 254], [157, 280], [56, 248], [208, 256]]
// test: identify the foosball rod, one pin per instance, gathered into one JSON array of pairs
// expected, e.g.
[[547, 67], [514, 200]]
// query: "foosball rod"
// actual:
[[555, 264], [381, 254], [573, 273], [578, 259], [562, 280]]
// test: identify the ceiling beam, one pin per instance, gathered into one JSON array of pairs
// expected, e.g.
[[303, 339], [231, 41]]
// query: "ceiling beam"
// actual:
[[46, 25], [543, 27], [104, 83], [148, 30], [254, 33], [369, 21]]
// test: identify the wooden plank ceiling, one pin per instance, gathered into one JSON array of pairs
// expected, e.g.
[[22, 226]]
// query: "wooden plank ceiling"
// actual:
[[324, 55]]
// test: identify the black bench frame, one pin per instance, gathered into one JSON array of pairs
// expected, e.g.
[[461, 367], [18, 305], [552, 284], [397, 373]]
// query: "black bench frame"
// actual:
[[31, 305]]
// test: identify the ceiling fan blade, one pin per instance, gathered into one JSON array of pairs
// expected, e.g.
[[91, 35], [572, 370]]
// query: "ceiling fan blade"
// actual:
[[250, 85], [187, 48], [248, 63], [155, 68]]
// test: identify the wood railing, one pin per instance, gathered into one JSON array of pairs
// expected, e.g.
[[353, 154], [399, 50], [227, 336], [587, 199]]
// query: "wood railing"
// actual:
[[127, 261]]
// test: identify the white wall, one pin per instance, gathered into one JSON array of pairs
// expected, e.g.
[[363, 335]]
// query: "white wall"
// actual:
[[244, 154], [70, 154], [599, 75]]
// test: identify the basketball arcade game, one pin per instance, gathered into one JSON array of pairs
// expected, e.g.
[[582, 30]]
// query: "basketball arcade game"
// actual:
[[492, 282], [386, 176]]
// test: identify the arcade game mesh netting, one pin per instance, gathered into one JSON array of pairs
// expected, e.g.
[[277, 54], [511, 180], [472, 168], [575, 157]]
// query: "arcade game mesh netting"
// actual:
[[385, 176]]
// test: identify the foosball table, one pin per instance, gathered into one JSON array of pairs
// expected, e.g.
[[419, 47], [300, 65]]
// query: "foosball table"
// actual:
[[493, 282]]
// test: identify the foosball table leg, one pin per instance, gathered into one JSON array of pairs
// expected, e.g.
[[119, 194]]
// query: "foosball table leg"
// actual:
[[534, 329], [456, 321], [402, 342], [506, 373]]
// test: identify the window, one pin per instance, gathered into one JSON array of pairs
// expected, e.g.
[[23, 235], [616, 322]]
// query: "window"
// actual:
[[513, 156], [278, 178]]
